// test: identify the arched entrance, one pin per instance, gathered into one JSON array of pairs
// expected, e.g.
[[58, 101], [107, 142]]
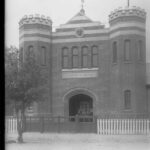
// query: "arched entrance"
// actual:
[[81, 105]]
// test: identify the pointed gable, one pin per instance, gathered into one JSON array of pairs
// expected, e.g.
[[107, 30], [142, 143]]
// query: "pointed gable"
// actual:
[[80, 17], [79, 20], [80, 28]]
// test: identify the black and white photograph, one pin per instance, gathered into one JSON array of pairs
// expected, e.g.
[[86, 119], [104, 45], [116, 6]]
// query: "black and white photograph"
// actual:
[[77, 75]]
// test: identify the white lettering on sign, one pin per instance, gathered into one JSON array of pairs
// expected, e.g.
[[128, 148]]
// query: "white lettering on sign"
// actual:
[[80, 73]]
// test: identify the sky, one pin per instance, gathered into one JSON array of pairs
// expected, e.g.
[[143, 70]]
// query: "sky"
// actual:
[[60, 11]]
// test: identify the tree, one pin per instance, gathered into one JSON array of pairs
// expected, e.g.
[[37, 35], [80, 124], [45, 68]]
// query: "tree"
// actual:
[[25, 83], [11, 67]]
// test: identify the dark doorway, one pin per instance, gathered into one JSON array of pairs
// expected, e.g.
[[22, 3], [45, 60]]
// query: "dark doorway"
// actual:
[[81, 105]]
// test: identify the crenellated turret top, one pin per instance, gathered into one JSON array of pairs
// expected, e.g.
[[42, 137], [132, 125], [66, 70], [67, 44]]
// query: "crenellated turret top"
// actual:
[[127, 11], [32, 19]]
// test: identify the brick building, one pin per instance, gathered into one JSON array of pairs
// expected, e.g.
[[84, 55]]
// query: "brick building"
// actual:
[[92, 70]]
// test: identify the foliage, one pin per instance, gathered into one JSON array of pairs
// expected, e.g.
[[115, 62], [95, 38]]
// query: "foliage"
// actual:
[[25, 82], [11, 69]]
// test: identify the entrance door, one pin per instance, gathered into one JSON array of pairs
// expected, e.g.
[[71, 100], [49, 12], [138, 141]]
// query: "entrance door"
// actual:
[[81, 105], [84, 108]]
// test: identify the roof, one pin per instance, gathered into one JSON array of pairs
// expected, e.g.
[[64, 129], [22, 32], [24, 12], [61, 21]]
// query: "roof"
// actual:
[[80, 16], [80, 20]]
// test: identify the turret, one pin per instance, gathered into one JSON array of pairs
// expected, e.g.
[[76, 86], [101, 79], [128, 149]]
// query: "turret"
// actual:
[[128, 61], [35, 37], [127, 14], [35, 33]]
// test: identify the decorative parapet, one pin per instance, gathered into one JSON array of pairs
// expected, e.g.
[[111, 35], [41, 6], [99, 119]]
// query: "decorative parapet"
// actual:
[[127, 11], [31, 19]]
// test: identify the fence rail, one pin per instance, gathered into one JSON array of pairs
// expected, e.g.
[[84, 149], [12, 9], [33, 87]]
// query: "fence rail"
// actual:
[[123, 126], [101, 126]]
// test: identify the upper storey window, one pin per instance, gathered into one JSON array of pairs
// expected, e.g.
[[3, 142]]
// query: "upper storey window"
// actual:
[[43, 56], [75, 57], [84, 57], [65, 58], [79, 57], [127, 50], [139, 49], [114, 47], [127, 99], [94, 58], [30, 51]]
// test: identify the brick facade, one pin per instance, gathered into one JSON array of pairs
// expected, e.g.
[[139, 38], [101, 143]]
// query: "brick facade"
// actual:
[[107, 82]]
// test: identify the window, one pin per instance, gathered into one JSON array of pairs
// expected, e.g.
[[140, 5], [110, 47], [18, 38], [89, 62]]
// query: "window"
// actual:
[[84, 108], [94, 58], [84, 57], [114, 52], [30, 109], [75, 57], [127, 50], [21, 55], [30, 51], [139, 49], [127, 99], [65, 58], [43, 56]]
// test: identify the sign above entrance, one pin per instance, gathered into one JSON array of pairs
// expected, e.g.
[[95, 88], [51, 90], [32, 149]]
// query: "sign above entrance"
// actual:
[[80, 73]]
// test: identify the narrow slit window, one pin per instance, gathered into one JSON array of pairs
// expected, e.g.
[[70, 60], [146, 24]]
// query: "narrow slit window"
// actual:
[[127, 99], [127, 50], [75, 57], [84, 57], [43, 56], [140, 45], [115, 52], [30, 51], [65, 58], [94, 58]]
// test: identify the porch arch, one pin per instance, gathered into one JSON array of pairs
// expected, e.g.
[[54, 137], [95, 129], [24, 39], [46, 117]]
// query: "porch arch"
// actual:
[[79, 92]]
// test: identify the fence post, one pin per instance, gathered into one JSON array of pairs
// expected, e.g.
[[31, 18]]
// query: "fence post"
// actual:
[[58, 130], [77, 118], [148, 126], [42, 123], [100, 126], [97, 126], [77, 123]]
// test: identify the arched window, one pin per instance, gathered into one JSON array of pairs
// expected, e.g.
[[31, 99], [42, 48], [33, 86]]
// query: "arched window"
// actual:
[[43, 55], [75, 57], [139, 49], [65, 58], [30, 51], [127, 99], [84, 57], [127, 50], [94, 58], [114, 47]]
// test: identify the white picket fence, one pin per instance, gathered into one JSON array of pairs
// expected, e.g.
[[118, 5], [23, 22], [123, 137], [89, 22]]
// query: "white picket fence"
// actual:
[[104, 126], [10, 124], [123, 126]]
